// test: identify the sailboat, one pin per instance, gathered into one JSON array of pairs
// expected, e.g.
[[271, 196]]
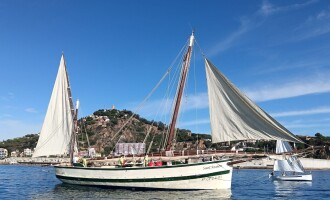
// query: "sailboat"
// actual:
[[289, 166], [233, 117]]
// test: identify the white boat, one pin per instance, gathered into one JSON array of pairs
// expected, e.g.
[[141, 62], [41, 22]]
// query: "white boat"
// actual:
[[303, 177], [289, 166], [233, 117]]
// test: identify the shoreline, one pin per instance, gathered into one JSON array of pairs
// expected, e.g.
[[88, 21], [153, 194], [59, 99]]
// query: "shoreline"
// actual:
[[268, 163], [33, 161], [264, 163]]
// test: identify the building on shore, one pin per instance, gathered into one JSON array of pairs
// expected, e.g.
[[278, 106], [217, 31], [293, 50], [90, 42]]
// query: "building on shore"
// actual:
[[27, 152], [90, 153], [3, 153], [129, 148], [14, 153]]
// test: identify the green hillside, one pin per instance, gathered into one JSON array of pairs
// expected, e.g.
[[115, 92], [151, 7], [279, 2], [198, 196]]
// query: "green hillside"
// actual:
[[104, 129]]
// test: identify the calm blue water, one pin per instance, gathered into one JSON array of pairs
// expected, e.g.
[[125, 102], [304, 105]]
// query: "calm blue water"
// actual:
[[35, 182]]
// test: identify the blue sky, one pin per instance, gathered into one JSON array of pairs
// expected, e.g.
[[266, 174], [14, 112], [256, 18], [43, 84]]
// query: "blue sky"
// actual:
[[277, 52]]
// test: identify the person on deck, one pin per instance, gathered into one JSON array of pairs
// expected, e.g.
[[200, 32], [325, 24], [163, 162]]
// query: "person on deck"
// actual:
[[145, 160], [75, 159], [121, 161], [84, 162]]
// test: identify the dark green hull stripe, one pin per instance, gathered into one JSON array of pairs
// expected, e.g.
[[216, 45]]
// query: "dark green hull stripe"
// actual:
[[143, 168], [179, 178]]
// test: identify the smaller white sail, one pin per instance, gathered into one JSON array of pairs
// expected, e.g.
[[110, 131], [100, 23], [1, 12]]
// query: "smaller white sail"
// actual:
[[292, 164], [282, 165], [296, 164], [282, 147]]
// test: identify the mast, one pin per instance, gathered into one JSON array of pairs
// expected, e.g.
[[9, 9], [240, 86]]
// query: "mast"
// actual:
[[74, 114], [74, 132], [184, 73]]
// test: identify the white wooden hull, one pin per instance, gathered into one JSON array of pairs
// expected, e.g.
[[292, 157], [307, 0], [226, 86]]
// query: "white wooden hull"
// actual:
[[203, 176], [304, 177]]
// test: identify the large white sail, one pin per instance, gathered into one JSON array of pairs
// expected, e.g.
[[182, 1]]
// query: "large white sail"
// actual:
[[57, 128], [234, 116]]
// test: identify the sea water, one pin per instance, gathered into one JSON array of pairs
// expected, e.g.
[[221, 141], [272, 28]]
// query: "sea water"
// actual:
[[36, 182]]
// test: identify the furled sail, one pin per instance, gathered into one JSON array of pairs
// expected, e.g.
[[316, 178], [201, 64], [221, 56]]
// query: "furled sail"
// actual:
[[234, 116], [57, 128], [283, 147]]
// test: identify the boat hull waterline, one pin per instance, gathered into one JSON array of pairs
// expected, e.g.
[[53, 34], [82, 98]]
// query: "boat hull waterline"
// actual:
[[201, 176], [304, 177]]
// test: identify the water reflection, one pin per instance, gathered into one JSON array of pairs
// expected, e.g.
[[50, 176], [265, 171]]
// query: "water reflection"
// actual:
[[66, 191], [34, 182], [288, 188]]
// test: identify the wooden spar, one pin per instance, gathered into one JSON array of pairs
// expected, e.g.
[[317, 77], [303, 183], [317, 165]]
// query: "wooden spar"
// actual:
[[185, 69]]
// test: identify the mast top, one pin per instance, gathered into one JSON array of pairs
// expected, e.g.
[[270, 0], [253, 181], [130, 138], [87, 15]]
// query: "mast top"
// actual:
[[77, 104], [192, 38]]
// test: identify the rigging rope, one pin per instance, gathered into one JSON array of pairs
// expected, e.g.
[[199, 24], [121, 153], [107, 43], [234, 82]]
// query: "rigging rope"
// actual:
[[177, 75], [146, 98]]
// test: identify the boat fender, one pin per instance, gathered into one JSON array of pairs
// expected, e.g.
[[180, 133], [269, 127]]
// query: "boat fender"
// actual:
[[151, 164], [159, 163]]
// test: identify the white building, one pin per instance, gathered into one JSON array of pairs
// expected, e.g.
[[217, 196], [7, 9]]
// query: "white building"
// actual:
[[27, 152], [91, 152], [130, 148], [14, 153], [3, 153]]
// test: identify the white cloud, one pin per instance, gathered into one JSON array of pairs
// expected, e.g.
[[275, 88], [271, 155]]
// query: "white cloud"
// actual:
[[245, 26], [313, 85], [10, 96], [31, 110], [16, 128], [198, 101], [323, 15], [303, 125], [268, 8], [321, 110], [315, 25], [3, 116], [314, 31], [248, 23], [301, 87], [194, 122], [305, 64], [163, 107], [319, 124]]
